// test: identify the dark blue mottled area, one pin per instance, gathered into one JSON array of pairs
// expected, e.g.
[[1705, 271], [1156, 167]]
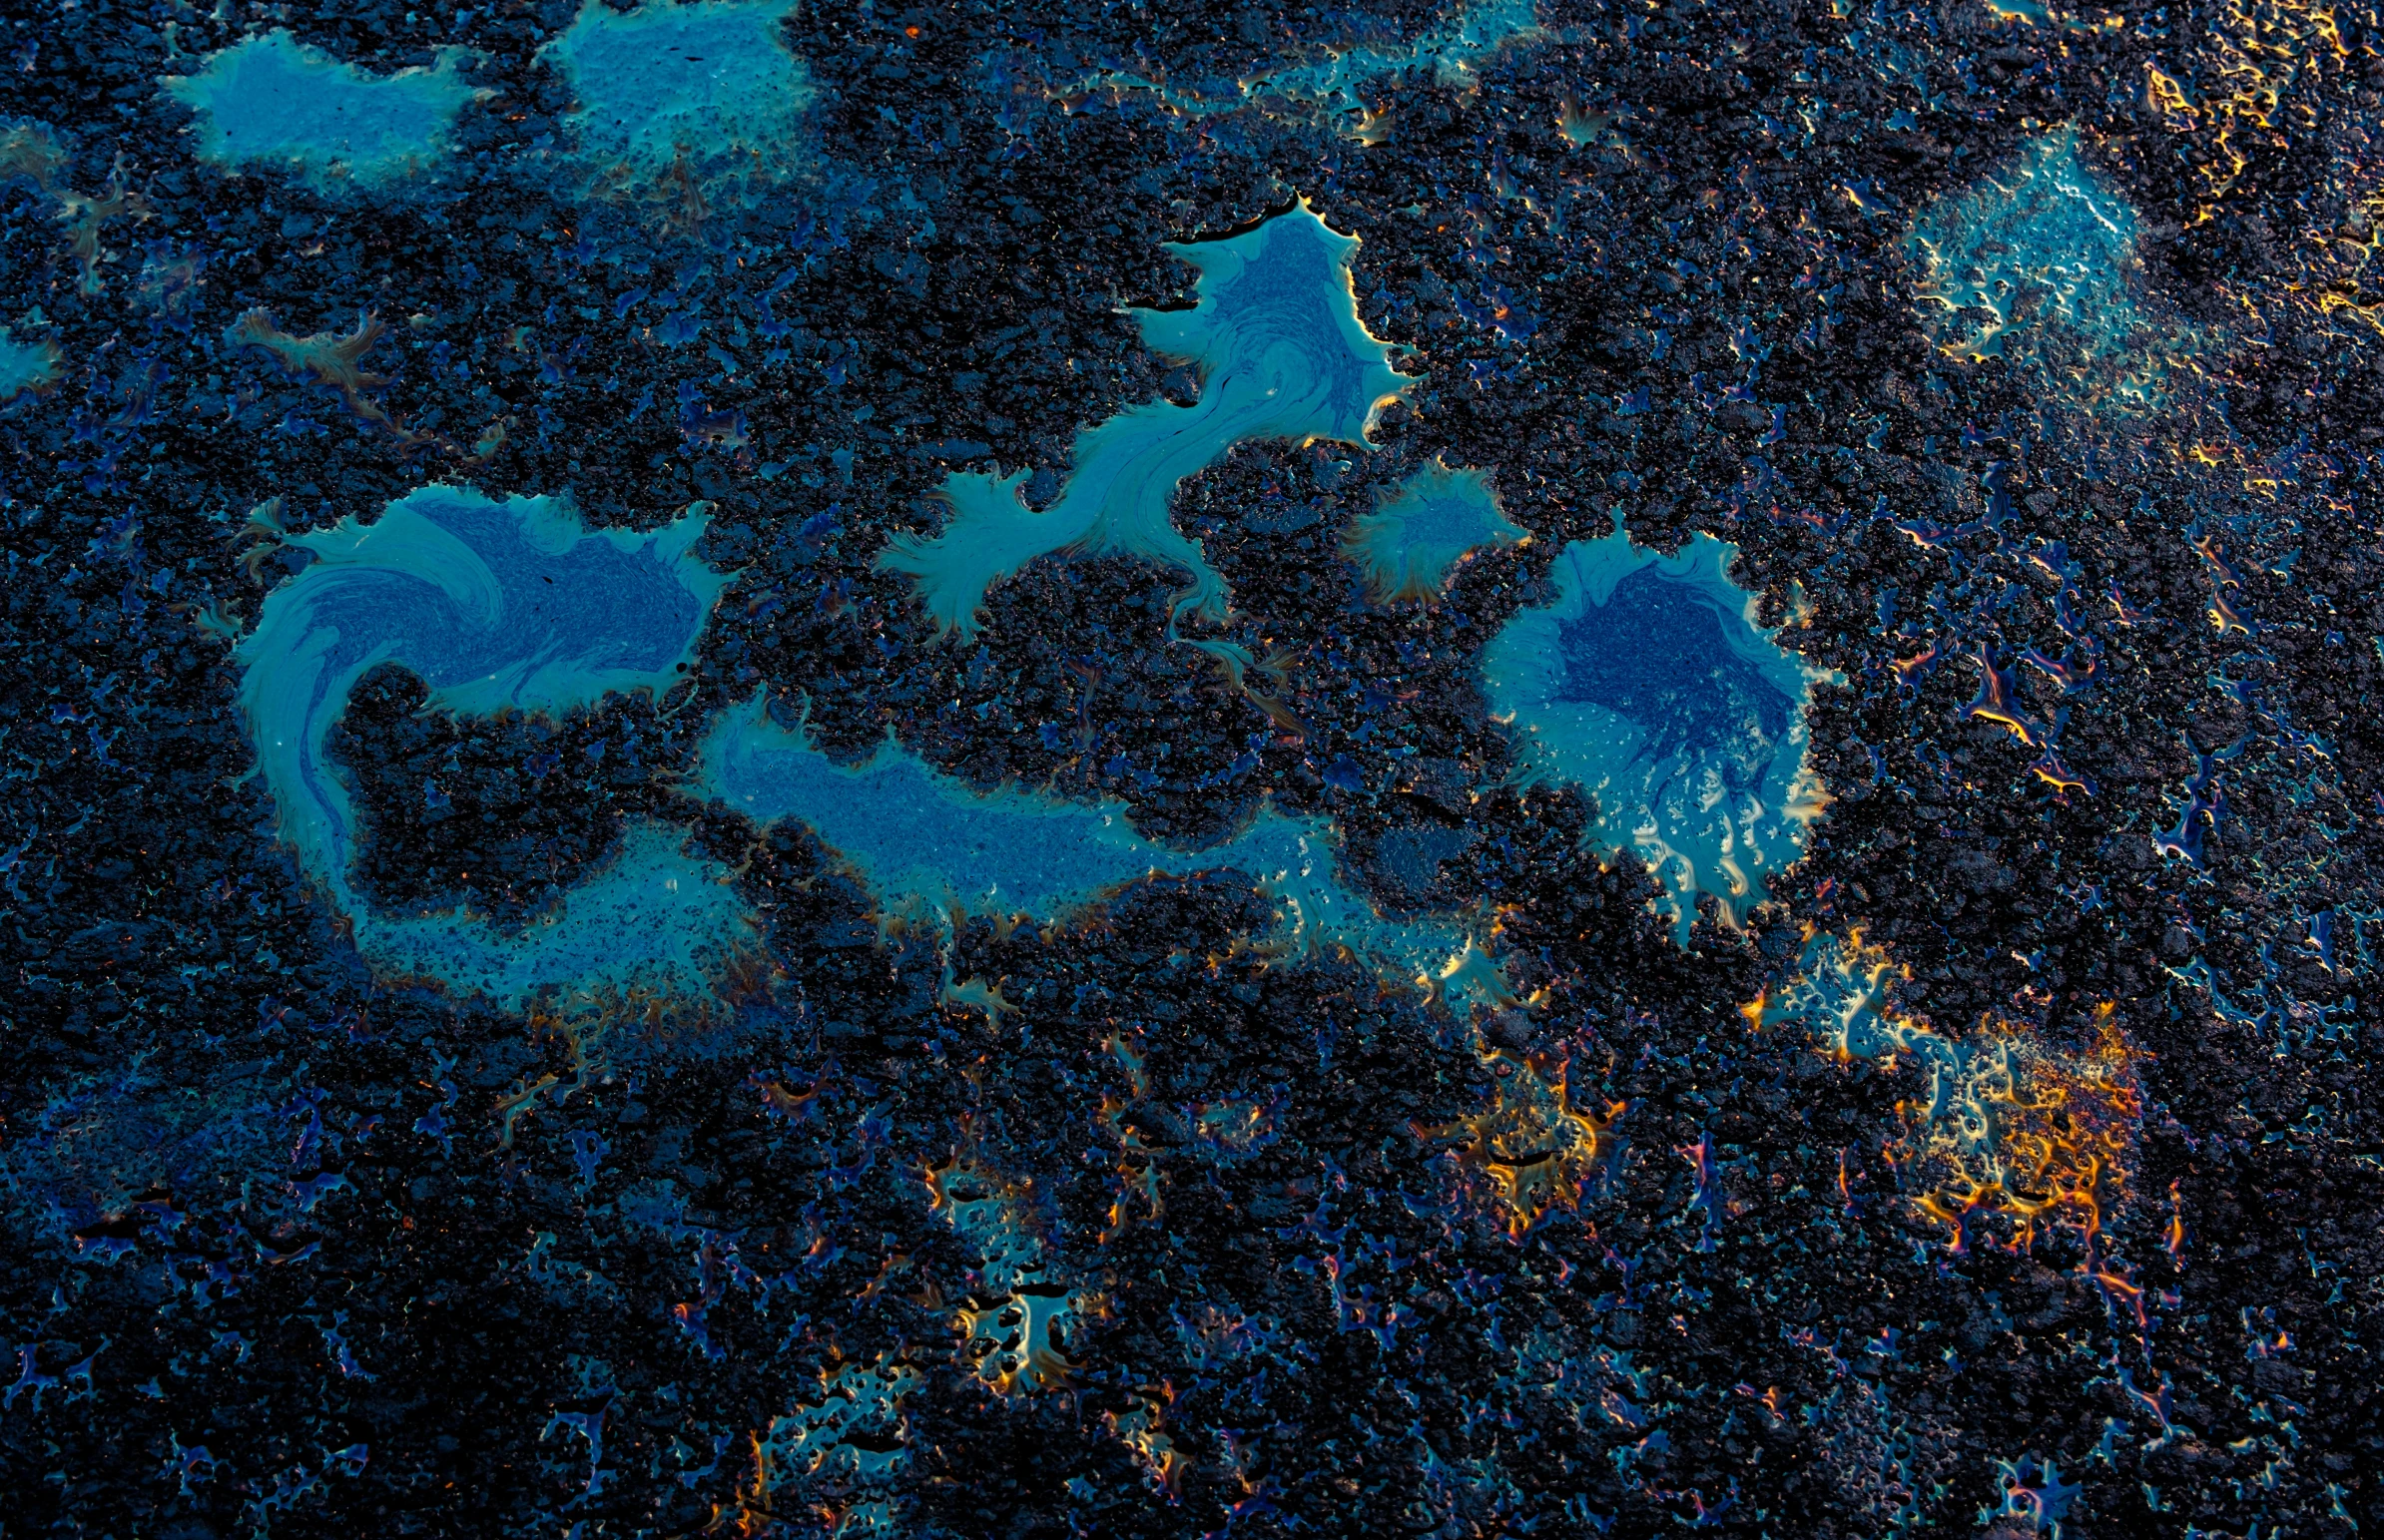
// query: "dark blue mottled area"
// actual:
[[1655, 653]]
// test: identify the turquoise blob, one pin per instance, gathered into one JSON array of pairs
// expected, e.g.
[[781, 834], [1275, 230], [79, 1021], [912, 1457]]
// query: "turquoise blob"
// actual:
[[651, 915], [1407, 546], [711, 84], [24, 367], [927, 846], [273, 101], [508, 606], [1647, 685], [1282, 356]]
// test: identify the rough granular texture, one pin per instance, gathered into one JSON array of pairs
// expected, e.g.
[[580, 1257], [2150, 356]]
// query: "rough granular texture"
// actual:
[[1388, 1141]]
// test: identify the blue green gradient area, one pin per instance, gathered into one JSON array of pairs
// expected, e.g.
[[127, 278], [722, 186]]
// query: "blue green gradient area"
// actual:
[[928, 847], [1282, 356], [2036, 261], [712, 82], [1648, 685], [513, 606], [273, 101], [24, 367], [1406, 547], [508, 606]]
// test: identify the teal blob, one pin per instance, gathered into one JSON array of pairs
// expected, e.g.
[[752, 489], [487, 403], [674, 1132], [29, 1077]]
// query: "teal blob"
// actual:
[[651, 915], [508, 606], [273, 101], [710, 83], [928, 846], [925, 844], [24, 367], [1282, 356], [1647, 685], [1407, 546]]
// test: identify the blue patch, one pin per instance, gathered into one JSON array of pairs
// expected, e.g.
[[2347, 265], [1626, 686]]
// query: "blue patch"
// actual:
[[273, 101], [1647, 686], [24, 367], [1407, 547], [507, 606], [2036, 261], [710, 86], [1282, 356], [928, 846], [1656, 652]]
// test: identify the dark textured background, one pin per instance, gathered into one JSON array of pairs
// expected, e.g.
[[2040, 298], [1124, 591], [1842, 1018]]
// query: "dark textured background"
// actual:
[[189, 1040]]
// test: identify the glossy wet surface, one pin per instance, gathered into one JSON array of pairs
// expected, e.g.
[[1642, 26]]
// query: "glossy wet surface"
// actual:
[[1647, 686], [1282, 356]]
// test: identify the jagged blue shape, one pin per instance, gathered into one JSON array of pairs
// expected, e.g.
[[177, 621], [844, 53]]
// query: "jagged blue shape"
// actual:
[[510, 606], [275, 101], [711, 82], [1407, 546], [1648, 685], [1282, 356], [2037, 259], [928, 846], [24, 367]]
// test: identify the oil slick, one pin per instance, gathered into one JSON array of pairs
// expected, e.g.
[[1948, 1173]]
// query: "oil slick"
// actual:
[[1648, 685], [508, 606], [708, 93], [1408, 546], [26, 368], [2017, 1124], [514, 605], [926, 847], [1282, 356], [272, 101]]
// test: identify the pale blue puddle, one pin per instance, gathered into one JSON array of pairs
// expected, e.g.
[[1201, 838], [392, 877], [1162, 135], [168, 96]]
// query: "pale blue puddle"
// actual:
[[513, 606], [1407, 546], [507, 606], [1282, 356], [2041, 254], [1648, 685], [712, 83], [24, 367], [928, 847], [273, 101]]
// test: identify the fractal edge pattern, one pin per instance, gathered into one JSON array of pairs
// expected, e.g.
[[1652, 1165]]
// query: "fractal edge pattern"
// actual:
[[1446, 768]]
